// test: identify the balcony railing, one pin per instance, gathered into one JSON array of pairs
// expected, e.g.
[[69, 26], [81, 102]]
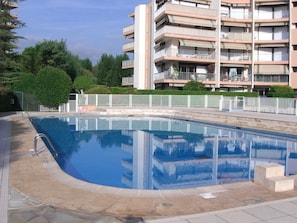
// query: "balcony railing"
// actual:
[[127, 64], [237, 36], [183, 31], [237, 15], [188, 76], [185, 10], [128, 30], [127, 81], [235, 56], [184, 53], [128, 47]]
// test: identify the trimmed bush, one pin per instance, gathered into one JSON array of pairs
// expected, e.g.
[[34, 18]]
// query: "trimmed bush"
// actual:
[[83, 82], [100, 89], [281, 91], [194, 86], [53, 86]]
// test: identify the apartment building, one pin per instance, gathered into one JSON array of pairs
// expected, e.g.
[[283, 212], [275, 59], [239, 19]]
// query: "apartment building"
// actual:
[[6, 6], [229, 45]]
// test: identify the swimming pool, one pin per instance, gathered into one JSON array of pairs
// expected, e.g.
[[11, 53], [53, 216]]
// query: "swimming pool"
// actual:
[[156, 153]]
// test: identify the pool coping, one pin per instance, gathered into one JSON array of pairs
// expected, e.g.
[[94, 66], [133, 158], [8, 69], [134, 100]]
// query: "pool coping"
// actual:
[[56, 188]]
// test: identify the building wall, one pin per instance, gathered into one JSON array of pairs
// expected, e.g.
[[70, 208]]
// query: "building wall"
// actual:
[[226, 44]]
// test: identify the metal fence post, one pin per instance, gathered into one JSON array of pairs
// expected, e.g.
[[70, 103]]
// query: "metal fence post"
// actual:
[[189, 101], [206, 101], [110, 100], [130, 100], [259, 105]]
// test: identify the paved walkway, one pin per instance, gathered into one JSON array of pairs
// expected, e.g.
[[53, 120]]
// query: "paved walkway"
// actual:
[[281, 211], [4, 166], [16, 207]]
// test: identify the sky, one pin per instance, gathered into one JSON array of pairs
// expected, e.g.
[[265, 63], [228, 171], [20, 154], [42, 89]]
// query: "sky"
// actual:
[[90, 27]]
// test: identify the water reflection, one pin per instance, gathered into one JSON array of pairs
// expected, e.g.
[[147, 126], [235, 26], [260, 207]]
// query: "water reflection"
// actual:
[[160, 153]]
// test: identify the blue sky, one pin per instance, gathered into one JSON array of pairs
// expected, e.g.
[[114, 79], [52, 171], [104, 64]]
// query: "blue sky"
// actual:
[[89, 27]]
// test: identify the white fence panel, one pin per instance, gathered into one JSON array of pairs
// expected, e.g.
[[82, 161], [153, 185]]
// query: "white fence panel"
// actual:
[[254, 104]]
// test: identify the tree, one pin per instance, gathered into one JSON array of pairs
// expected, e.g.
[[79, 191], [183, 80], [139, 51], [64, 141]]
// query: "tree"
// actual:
[[26, 83], [8, 39], [83, 83], [86, 64], [53, 86], [109, 70], [281, 91], [55, 54], [194, 86], [30, 60]]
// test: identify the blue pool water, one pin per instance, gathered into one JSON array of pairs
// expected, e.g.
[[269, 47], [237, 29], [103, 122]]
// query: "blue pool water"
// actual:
[[158, 153]]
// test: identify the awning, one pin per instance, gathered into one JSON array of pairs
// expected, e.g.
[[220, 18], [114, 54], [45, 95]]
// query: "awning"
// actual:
[[271, 69], [233, 65], [271, 2], [191, 21], [236, 46], [236, 24], [198, 1], [196, 43], [259, 23], [269, 45]]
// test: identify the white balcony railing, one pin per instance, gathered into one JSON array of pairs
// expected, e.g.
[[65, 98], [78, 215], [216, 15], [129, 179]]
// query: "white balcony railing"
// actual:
[[127, 81], [183, 31], [127, 63], [128, 47], [128, 30]]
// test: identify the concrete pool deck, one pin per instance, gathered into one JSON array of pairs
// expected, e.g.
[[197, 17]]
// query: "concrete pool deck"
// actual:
[[40, 181]]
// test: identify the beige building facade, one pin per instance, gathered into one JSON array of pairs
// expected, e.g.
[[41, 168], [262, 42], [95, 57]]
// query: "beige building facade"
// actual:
[[229, 45]]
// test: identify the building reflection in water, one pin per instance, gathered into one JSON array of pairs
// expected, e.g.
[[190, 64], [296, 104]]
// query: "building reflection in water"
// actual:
[[170, 154]]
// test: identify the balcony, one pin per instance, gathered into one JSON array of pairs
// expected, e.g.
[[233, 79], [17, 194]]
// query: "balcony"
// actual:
[[184, 33], [183, 76], [13, 5], [271, 79], [128, 31], [189, 11], [127, 64], [237, 36], [236, 56], [128, 47], [184, 54], [127, 81]]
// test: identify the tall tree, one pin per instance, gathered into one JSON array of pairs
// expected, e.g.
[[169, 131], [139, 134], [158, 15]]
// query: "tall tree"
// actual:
[[55, 54], [103, 68], [8, 38], [109, 70], [30, 60]]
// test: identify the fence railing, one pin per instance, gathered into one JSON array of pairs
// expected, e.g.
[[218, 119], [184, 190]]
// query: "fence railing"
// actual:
[[91, 102]]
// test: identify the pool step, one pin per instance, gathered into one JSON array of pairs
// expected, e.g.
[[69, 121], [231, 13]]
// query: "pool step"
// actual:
[[272, 177]]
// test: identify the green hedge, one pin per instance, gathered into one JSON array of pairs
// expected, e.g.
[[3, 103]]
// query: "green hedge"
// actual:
[[101, 89], [177, 92], [281, 91]]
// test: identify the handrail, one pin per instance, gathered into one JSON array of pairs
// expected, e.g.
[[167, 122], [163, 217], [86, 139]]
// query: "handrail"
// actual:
[[42, 135], [25, 113]]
